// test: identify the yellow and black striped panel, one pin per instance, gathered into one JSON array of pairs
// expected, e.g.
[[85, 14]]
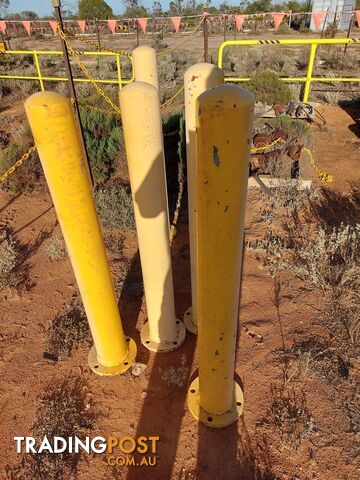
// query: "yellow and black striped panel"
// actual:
[[269, 42]]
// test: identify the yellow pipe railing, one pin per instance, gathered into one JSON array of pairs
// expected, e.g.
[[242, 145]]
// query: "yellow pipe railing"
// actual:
[[41, 78], [309, 79]]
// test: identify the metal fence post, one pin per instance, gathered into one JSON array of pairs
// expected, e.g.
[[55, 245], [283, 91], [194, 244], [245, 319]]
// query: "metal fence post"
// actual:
[[118, 66], [224, 124], [38, 69], [197, 79], [145, 65], [309, 72], [206, 40], [57, 140], [141, 119]]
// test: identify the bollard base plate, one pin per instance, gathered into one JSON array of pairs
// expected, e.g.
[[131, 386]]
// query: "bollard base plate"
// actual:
[[103, 370], [188, 321], [163, 346], [209, 419]]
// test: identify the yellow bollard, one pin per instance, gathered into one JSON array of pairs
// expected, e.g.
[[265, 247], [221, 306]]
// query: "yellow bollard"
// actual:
[[224, 125], [197, 79], [141, 118], [145, 66], [53, 126]]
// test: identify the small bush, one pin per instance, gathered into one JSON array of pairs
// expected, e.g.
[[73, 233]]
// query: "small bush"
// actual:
[[336, 60], [8, 261], [67, 332], [104, 142], [289, 413], [4, 139], [229, 60], [114, 206], [157, 42], [167, 70], [333, 98], [283, 29], [268, 88], [298, 131], [322, 259], [56, 249], [29, 175]]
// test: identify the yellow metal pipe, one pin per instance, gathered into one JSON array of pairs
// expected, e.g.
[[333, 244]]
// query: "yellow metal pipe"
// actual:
[[299, 79], [118, 66], [145, 65], [141, 119], [38, 69], [309, 71], [57, 141], [197, 79], [296, 41], [64, 79], [224, 126]]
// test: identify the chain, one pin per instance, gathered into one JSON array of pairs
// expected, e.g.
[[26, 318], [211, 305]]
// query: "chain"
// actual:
[[98, 109], [94, 44], [324, 177], [179, 197], [166, 51], [85, 71], [265, 147], [165, 104], [170, 134], [18, 163]]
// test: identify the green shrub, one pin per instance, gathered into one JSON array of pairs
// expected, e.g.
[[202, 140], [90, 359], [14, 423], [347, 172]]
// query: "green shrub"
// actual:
[[114, 206], [104, 142], [268, 88], [298, 131]]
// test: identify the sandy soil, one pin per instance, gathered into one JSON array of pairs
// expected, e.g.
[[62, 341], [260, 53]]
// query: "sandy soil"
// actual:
[[150, 405]]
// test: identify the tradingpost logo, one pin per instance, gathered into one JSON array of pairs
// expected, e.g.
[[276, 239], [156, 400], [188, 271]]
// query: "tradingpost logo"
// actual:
[[122, 451]]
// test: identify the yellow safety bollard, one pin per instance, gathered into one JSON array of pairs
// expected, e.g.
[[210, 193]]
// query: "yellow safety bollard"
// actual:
[[53, 126], [141, 118], [145, 65], [197, 79], [224, 126]]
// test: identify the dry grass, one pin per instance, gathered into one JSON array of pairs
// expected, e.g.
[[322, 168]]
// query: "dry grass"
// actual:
[[65, 410], [289, 414], [56, 249], [14, 269], [67, 332], [114, 206]]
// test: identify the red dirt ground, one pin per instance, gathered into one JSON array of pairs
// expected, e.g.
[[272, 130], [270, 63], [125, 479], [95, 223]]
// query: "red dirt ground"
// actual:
[[250, 449]]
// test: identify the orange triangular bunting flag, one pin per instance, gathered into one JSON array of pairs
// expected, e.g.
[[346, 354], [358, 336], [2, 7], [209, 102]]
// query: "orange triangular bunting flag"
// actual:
[[142, 22], [239, 20], [278, 18], [318, 17], [112, 25], [3, 27], [357, 15], [53, 25], [82, 25], [176, 23], [27, 26]]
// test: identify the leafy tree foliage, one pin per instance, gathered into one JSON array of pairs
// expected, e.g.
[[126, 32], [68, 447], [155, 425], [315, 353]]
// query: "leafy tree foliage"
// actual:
[[95, 9]]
